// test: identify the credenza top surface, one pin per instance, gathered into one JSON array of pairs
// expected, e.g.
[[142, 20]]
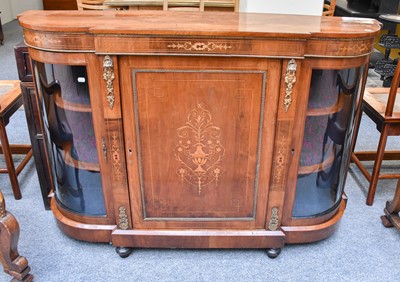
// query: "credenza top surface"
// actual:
[[173, 23]]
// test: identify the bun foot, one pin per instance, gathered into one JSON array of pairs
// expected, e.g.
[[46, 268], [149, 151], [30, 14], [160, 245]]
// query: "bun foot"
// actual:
[[273, 253], [123, 252]]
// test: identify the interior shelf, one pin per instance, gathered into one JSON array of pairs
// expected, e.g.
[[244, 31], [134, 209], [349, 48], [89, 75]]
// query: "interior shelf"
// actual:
[[327, 110], [67, 105], [319, 166], [71, 161]]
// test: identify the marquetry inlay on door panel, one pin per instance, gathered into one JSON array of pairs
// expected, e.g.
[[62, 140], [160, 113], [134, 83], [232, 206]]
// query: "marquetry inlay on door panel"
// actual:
[[208, 124], [199, 150]]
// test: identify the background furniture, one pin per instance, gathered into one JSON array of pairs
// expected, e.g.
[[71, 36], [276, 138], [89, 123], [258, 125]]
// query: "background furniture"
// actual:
[[293, 7], [231, 134], [91, 5], [59, 4], [34, 122], [11, 101], [184, 8], [375, 10], [365, 9], [391, 217], [210, 5], [13, 264], [1, 32], [329, 8], [380, 105], [386, 66], [95, 5]]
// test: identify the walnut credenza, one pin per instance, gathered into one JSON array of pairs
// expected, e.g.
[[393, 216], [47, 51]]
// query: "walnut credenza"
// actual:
[[197, 130]]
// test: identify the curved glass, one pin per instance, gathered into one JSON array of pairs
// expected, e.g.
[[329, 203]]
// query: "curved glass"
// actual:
[[332, 108], [64, 102]]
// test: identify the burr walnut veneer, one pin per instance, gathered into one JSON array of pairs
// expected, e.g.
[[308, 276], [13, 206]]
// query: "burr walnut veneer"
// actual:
[[197, 130]]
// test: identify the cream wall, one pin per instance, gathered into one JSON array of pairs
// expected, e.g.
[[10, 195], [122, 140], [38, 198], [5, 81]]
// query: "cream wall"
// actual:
[[297, 7], [5, 8], [11, 8]]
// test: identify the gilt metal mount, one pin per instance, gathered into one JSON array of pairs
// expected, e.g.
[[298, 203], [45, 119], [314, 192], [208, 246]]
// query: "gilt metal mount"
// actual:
[[108, 76], [290, 80]]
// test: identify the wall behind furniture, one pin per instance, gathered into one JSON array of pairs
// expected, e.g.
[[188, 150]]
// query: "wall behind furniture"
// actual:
[[296, 7], [11, 8], [5, 8]]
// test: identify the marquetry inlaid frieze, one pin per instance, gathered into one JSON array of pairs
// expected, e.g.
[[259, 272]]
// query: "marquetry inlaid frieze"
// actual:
[[199, 46], [199, 150], [71, 42], [349, 48], [232, 47]]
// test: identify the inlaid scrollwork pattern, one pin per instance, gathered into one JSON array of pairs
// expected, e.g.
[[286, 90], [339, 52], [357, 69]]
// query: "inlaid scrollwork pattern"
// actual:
[[108, 76], [200, 46], [122, 218], [199, 150], [355, 48], [290, 80], [115, 150], [281, 155]]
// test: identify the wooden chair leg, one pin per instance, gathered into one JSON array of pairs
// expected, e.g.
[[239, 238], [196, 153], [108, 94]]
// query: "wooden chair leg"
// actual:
[[9, 161], [391, 217], [13, 264], [377, 165]]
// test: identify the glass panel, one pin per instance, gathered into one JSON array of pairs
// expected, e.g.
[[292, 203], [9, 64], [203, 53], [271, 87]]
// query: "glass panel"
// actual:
[[332, 107], [64, 103]]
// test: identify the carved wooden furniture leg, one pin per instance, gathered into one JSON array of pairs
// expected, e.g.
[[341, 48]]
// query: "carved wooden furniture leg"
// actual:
[[391, 217], [13, 264]]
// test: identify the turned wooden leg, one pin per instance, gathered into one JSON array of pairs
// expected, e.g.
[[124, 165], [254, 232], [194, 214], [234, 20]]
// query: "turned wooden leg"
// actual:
[[377, 165], [13, 264], [9, 160]]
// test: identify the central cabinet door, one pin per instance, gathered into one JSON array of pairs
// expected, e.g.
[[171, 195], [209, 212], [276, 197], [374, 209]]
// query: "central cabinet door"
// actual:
[[199, 135]]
